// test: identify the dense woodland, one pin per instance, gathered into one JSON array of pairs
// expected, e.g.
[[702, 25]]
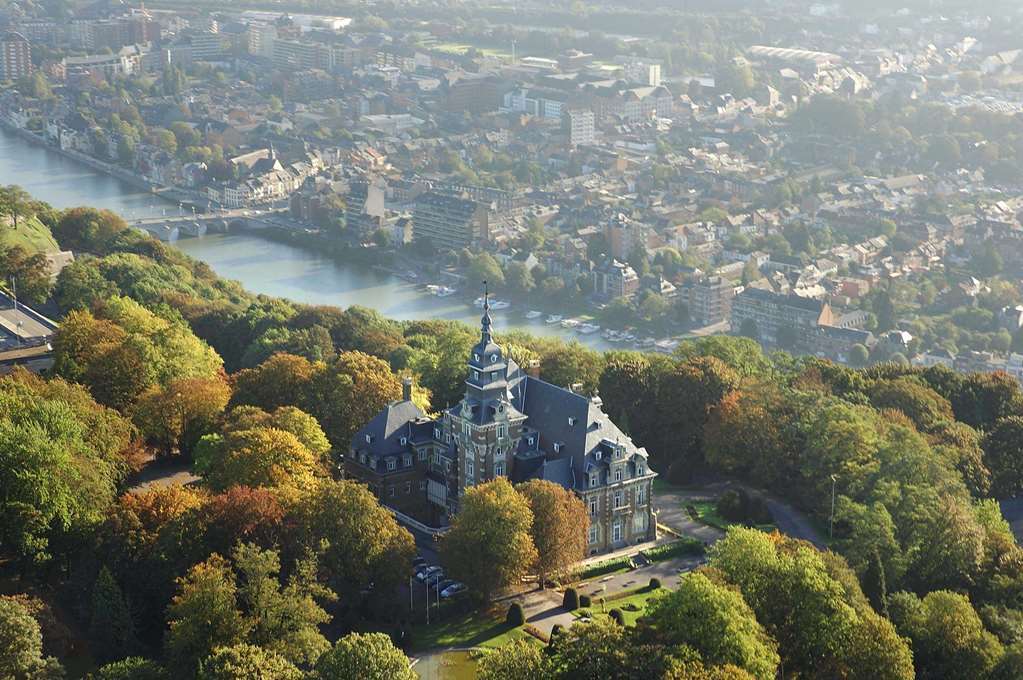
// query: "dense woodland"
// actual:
[[273, 566]]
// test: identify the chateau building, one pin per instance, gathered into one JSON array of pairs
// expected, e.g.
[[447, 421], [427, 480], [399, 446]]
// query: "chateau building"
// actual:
[[510, 424]]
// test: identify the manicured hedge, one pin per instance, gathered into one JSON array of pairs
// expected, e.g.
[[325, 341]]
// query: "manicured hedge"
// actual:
[[681, 547]]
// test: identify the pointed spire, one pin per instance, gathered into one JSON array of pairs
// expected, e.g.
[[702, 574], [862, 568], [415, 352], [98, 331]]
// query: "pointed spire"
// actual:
[[485, 321]]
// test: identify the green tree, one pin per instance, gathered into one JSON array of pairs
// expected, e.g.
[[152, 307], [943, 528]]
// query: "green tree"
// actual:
[[514, 661], [15, 202], [247, 662], [285, 620], [1002, 446], [204, 615], [949, 640], [111, 628], [260, 457], [489, 545], [21, 646], [716, 622], [88, 229], [483, 267], [132, 668], [362, 543], [30, 274], [367, 656]]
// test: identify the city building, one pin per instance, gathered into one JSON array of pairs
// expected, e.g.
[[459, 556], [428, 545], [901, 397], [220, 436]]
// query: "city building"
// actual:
[[510, 424], [579, 125], [449, 222], [364, 206], [710, 300], [17, 53], [768, 316], [613, 279]]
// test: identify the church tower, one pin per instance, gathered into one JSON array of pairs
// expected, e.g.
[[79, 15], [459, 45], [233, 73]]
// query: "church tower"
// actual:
[[485, 425]]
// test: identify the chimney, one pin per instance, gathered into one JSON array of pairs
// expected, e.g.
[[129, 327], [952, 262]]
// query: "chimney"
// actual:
[[533, 369], [406, 388]]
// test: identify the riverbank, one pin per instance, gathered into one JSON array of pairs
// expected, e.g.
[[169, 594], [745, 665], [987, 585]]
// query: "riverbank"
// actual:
[[170, 194]]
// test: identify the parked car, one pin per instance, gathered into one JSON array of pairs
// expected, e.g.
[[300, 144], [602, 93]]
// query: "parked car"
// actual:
[[426, 573], [453, 590], [419, 563], [433, 579], [445, 583]]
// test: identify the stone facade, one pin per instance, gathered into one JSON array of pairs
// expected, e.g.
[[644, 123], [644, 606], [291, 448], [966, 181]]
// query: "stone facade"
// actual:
[[509, 424]]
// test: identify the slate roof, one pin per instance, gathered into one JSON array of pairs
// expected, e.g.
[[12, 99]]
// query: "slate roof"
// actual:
[[387, 428]]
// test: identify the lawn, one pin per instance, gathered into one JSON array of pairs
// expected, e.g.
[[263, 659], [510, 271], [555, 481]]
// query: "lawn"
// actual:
[[31, 234], [474, 629], [707, 513], [636, 600], [461, 48]]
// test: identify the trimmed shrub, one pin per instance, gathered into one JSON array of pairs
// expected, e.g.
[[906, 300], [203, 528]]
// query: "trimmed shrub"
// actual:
[[537, 633], [617, 616], [679, 548], [556, 630], [605, 567], [571, 601], [655, 583], [584, 601], [515, 616]]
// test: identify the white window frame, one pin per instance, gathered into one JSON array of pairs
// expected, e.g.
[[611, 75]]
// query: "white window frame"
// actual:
[[502, 431], [594, 534], [616, 531], [424, 454], [593, 507], [499, 469], [618, 499], [557, 447], [369, 439], [390, 490], [392, 465], [404, 441], [618, 474], [406, 460]]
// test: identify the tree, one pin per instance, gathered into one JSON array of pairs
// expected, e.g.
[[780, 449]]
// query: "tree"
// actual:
[[132, 668], [88, 229], [949, 640], [368, 656], [1002, 446], [362, 543], [30, 273], [858, 356], [61, 456], [111, 628], [514, 661], [282, 380], [483, 267], [489, 545], [598, 649], [284, 620], [560, 527], [177, 415], [204, 615], [264, 456], [21, 646], [15, 202], [716, 622], [245, 662]]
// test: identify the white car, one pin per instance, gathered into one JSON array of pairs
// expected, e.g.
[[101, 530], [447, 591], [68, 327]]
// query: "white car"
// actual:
[[427, 573], [453, 590]]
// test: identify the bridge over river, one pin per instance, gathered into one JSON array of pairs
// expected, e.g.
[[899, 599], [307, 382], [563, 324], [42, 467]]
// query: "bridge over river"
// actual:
[[173, 227]]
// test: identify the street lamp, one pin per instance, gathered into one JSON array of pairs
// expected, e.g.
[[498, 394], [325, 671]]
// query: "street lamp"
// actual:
[[831, 531]]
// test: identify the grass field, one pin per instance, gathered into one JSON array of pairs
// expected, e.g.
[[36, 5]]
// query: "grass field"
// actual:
[[708, 514], [467, 630], [632, 605], [461, 48], [31, 234]]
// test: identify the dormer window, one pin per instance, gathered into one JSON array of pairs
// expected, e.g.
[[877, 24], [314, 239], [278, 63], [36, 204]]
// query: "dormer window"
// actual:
[[598, 454], [404, 441], [571, 421], [493, 358], [557, 447], [475, 357], [436, 433], [369, 439], [618, 475], [618, 453], [391, 464], [475, 375], [531, 442], [594, 481], [406, 461], [640, 470]]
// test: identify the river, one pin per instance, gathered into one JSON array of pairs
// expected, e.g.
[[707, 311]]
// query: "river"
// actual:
[[261, 265]]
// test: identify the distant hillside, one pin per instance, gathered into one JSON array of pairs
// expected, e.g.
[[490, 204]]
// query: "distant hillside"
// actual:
[[31, 234]]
